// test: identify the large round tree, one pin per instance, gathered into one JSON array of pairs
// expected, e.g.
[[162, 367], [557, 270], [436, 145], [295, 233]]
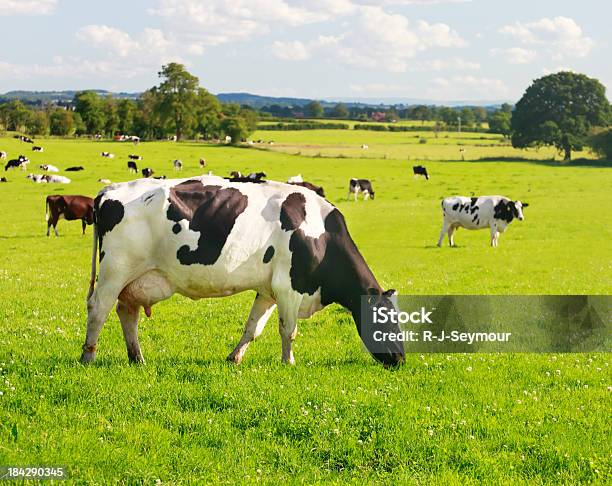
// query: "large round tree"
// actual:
[[559, 110]]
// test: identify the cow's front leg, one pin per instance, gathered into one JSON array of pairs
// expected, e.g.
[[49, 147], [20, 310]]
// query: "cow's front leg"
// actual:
[[442, 233], [288, 309], [494, 235], [128, 315], [261, 311], [84, 224]]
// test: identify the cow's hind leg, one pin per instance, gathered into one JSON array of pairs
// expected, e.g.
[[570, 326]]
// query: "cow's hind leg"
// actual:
[[451, 231], [99, 305], [260, 313], [443, 232], [288, 310], [84, 224], [128, 315]]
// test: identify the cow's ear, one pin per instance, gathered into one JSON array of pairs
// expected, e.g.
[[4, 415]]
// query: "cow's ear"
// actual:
[[390, 293]]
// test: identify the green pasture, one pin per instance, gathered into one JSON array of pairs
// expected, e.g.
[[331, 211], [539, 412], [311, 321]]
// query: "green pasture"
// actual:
[[187, 416]]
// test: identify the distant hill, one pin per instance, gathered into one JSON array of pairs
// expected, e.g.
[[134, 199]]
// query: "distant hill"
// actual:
[[57, 96], [256, 101]]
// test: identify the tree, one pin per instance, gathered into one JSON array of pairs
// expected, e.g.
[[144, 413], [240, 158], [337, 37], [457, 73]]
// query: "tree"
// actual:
[[235, 127], [340, 111], [125, 110], [177, 98], [601, 143], [313, 110], [61, 122], [468, 118], [500, 122], [480, 113], [559, 110], [208, 114], [37, 123], [112, 116], [90, 106], [506, 108], [17, 115]]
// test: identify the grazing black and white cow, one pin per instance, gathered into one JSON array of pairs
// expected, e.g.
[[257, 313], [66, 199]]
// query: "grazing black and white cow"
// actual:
[[318, 189], [134, 157], [3, 154], [147, 172], [23, 138], [21, 162], [75, 168], [49, 168], [108, 155], [360, 185], [493, 212], [70, 208], [256, 176], [177, 164], [132, 167], [202, 162], [210, 237], [36, 148], [420, 170]]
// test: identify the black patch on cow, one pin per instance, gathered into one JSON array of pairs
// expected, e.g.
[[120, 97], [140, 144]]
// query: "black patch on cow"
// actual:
[[473, 203], [455, 206], [474, 218], [293, 211], [268, 254], [102, 255], [474, 209], [107, 216], [211, 211], [505, 210], [176, 228]]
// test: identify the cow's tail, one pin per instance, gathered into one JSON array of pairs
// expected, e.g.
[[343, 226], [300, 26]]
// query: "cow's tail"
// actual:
[[94, 255]]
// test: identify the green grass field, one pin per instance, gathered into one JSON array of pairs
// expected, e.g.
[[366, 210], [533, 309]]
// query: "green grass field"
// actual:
[[336, 417]]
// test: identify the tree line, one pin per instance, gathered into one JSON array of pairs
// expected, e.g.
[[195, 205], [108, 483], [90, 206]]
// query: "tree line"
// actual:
[[177, 106]]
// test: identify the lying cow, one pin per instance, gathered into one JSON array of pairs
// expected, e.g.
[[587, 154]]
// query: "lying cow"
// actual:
[[48, 179], [36, 148], [49, 168], [75, 168], [134, 157], [21, 162], [493, 212], [108, 155], [360, 185], [177, 164], [146, 172], [418, 170], [70, 208], [256, 176], [209, 237], [318, 189], [132, 167]]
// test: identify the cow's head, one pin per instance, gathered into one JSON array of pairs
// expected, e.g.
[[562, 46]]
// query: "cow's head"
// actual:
[[517, 209], [372, 194], [388, 352]]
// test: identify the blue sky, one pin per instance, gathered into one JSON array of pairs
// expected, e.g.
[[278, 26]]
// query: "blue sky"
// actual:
[[429, 49]]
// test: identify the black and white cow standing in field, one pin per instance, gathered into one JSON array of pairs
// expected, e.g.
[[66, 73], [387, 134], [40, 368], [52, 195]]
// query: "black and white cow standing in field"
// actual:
[[177, 164], [418, 170], [20, 162], [360, 185], [493, 212], [132, 167], [210, 237]]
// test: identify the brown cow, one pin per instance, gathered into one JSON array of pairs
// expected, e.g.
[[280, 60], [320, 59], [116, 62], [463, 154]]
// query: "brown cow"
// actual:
[[70, 208]]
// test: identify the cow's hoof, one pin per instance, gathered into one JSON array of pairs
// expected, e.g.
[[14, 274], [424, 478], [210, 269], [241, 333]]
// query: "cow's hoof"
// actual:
[[87, 357]]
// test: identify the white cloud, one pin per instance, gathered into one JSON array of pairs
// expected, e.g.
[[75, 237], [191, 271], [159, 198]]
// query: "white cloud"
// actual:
[[27, 7], [561, 35], [376, 40], [105, 37], [291, 51], [465, 87], [515, 55], [454, 64], [381, 89]]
